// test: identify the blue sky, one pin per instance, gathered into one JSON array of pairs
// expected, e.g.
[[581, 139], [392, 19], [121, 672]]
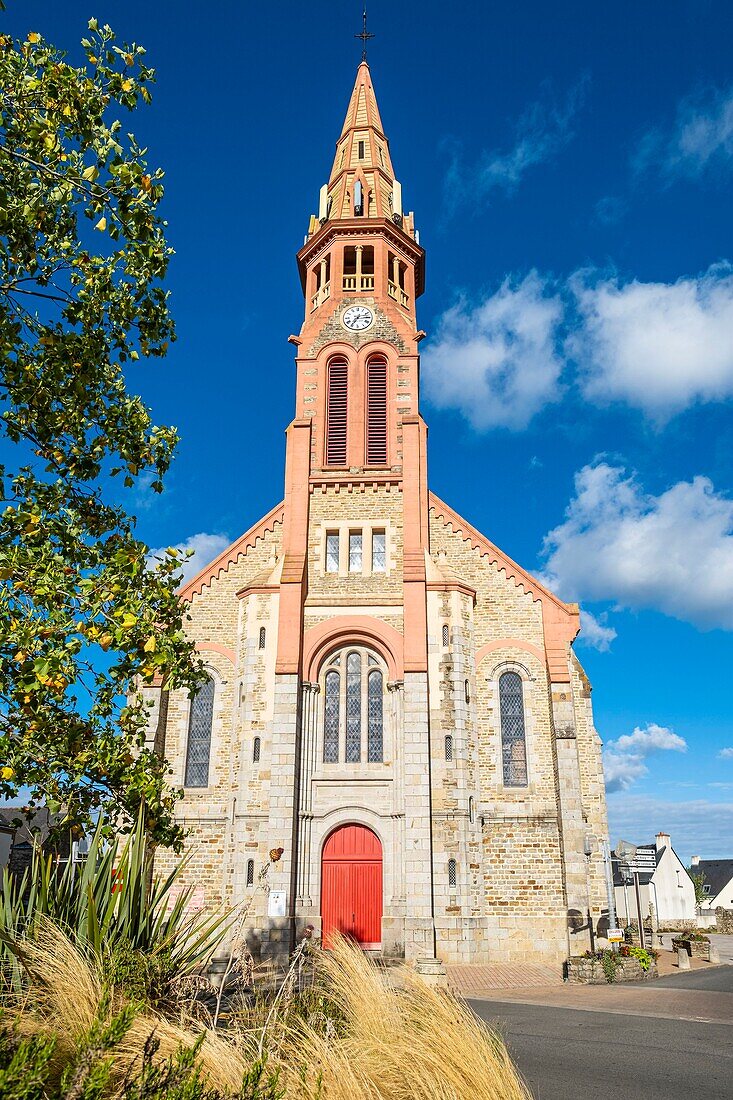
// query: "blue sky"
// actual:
[[570, 169]]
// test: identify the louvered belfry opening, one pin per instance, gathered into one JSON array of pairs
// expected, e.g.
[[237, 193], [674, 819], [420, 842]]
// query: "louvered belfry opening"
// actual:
[[376, 411], [337, 411]]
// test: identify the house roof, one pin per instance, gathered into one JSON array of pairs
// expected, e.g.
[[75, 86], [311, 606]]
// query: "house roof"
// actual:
[[645, 862], [717, 872], [28, 832]]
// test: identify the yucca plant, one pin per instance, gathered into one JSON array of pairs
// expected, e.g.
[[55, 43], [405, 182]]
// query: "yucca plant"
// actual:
[[112, 901]]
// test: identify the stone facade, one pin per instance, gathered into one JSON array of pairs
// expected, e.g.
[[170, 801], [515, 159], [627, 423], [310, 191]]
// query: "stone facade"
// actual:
[[478, 864]]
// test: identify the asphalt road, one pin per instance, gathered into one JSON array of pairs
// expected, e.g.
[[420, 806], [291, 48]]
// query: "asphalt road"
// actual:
[[571, 1054]]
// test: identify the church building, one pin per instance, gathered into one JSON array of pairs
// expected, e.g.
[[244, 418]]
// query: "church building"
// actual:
[[390, 699]]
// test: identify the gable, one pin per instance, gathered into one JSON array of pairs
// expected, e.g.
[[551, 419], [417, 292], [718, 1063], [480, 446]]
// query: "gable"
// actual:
[[560, 621]]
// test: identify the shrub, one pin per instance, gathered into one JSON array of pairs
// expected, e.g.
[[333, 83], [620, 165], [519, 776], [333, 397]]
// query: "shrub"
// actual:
[[115, 909]]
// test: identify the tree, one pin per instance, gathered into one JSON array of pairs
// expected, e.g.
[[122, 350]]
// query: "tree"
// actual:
[[84, 621], [698, 881]]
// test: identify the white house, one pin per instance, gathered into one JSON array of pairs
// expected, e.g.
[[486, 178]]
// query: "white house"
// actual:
[[717, 882], [663, 883]]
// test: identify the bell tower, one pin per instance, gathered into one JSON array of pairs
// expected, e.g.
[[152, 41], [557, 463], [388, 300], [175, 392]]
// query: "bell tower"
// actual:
[[357, 420]]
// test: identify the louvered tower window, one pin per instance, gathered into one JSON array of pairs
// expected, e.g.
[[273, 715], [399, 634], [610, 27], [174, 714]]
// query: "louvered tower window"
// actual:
[[513, 741], [337, 411], [200, 720], [376, 447]]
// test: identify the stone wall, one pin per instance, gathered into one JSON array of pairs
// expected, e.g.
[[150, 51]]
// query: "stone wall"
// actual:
[[724, 920], [587, 971]]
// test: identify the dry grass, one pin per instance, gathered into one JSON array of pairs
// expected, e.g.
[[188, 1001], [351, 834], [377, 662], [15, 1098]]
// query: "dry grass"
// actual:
[[396, 1040], [403, 1040], [63, 1000]]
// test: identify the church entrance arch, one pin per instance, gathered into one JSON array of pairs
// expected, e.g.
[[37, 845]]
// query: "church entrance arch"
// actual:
[[351, 886]]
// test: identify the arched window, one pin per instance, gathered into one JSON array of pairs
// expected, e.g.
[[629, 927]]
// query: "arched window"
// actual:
[[353, 708], [376, 418], [358, 199], [250, 872], [200, 720], [256, 749], [467, 691], [376, 717], [331, 720], [451, 872], [337, 411], [263, 635], [513, 742], [446, 634], [448, 747], [471, 809], [353, 689]]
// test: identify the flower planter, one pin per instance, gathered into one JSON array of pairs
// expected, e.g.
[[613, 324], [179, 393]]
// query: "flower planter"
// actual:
[[590, 971], [696, 949]]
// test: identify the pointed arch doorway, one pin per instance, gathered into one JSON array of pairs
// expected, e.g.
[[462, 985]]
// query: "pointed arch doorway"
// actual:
[[351, 886]]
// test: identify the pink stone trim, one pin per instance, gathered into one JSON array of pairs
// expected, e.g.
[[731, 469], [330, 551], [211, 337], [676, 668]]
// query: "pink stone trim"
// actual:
[[510, 643], [215, 647], [340, 630], [244, 543]]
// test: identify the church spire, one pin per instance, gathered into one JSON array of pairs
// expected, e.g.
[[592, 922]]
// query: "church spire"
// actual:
[[362, 181]]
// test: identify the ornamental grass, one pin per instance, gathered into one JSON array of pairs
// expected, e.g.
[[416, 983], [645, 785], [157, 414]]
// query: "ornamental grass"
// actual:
[[359, 1034]]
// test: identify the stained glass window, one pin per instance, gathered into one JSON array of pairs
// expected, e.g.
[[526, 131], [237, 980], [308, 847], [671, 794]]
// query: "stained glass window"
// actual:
[[513, 742], [353, 708], [331, 724], [379, 552], [355, 545], [376, 717], [332, 552], [199, 736]]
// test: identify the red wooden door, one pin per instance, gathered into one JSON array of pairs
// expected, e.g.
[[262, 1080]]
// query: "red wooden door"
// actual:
[[351, 885]]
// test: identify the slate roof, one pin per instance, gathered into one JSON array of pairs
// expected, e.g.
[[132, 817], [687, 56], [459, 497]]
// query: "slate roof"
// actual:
[[718, 872], [639, 863], [26, 832]]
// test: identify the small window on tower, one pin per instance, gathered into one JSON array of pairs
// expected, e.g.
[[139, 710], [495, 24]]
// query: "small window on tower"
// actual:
[[379, 552], [446, 634], [256, 749], [355, 551], [332, 552], [448, 747], [250, 872], [262, 637], [451, 872], [358, 199], [361, 150]]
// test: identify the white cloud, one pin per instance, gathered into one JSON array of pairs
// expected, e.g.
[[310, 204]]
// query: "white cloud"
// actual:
[[697, 827], [541, 132], [726, 754], [701, 138], [624, 760], [594, 632], [497, 361], [671, 553], [205, 549], [659, 347]]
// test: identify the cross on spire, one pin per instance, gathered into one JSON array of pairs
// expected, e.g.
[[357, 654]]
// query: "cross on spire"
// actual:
[[365, 35]]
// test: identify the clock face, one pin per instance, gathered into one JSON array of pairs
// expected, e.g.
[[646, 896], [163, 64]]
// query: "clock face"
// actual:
[[357, 318]]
